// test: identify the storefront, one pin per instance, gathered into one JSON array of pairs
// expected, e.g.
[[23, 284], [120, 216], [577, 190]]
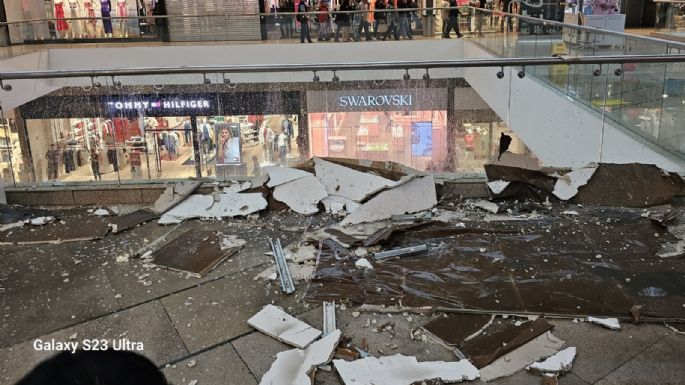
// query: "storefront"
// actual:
[[159, 136]]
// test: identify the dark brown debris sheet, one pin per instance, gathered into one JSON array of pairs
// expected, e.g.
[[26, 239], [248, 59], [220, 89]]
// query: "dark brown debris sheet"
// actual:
[[194, 252], [59, 226], [601, 262], [128, 221]]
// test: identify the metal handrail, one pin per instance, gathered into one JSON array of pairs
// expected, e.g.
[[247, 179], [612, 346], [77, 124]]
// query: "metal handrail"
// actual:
[[394, 65], [398, 10]]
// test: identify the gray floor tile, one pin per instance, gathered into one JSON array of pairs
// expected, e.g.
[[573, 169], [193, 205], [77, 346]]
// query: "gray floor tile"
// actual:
[[259, 351], [661, 363], [218, 311], [220, 365], [146, 323]]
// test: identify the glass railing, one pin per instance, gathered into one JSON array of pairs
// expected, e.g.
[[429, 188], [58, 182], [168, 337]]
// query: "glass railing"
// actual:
[[153, 124], [646, 98]]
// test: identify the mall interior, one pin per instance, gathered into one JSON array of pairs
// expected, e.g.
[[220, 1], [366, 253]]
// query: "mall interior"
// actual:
[[226, 122]]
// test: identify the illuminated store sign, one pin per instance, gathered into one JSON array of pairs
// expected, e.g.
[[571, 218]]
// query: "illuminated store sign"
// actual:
[[166, 104], [375, 100]]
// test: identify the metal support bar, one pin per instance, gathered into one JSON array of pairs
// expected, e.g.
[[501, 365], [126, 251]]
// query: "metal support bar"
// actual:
[[282, 266], [328, 318], [399, 252], [419, 217], [344, 66]]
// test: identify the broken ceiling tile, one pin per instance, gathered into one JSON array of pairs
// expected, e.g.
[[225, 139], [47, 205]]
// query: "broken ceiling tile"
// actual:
[[282, 175], [71, 227], [301, 195], [204, 206], [236, 187], [40, 221], [486, 348], [275, 322], [402, 370], [413, 196], [195, 252], [301, 253], [120, 223], [101, 213], [174, 195], [349, 183], [337, 204], [363, 263], [295, 367], [231, 241], [485, 205], [609, 323], [543, 346], [298, 272], [454, 329], [497, 186], [558, 363], [567, 185]]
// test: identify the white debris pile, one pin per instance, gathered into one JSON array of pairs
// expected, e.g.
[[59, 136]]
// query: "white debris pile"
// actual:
[[557, 364], [402, 370], [275, 322], [99, 212], [231, 241], [609, 323], [485, 205], [40, 221]]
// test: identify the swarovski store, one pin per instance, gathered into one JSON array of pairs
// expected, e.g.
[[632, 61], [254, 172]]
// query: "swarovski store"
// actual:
[[158, 136], [407, 126]]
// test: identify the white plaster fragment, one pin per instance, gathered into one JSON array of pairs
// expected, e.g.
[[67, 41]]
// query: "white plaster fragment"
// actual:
[[497, 186], [10, 226], [487, 206], [237, 187], [558, 363], [301, 253], [609, 323], [349, 183], [569, 212], [543, 346], [283, 175], [273, 321], [40, 221], [301, 195], [402, 370], [231, 241], [363, 263], [338, 205], [567, 185], [411, 197], [174, 195], [204, 206], [297, 272], [101, 213], [293, 367]]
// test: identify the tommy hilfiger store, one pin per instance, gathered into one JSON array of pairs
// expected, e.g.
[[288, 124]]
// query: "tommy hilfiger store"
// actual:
[[157, 136]]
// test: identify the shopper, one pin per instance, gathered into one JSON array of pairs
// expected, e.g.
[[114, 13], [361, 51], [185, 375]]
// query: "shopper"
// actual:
[[453, 22], [445, 15], [288, 8], [95, 164], [187, 137], [324, 22], [380, 24], [303, 18], [393, 22], [52, 156], [355, 18], [404, 19], [364, 19], [342, 21]]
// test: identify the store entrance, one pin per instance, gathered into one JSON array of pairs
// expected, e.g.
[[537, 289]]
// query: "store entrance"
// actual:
[[170, 147]]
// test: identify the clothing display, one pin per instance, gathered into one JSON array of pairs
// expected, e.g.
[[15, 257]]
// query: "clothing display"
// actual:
[[106, 11], [74, 13], [92, 21], [121, 7], [59, 15]]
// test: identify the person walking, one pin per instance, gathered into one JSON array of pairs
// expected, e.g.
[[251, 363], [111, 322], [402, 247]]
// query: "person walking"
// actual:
[[342, 21], [303, 18], [364, 19], [404, 19], [379, 20], [324, 22], [95, 164], [453, 22], [355, 18], [52, 155], [393, 22], [445, 15], [287, 20]]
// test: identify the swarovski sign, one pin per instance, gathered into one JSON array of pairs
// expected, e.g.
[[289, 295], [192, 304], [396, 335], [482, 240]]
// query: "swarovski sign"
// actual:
[[165, 104], [392, 100]]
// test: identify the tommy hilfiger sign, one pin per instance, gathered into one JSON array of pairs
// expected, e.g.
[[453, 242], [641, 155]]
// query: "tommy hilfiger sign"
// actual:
[[165, 104], [376, 100]]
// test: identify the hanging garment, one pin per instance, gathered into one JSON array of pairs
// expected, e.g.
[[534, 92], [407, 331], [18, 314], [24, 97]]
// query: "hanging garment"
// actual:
[[106, 9], [122, 11], [90, 13], [59, 15], [73, 13]]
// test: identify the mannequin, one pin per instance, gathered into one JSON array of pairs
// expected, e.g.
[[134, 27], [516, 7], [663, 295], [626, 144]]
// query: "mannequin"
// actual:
[[122, 11], [149, 7], [89, 12], [61, 25], [75, 25], [106, 10]]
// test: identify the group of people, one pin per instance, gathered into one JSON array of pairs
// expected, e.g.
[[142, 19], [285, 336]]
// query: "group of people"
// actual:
[[347, 23]]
